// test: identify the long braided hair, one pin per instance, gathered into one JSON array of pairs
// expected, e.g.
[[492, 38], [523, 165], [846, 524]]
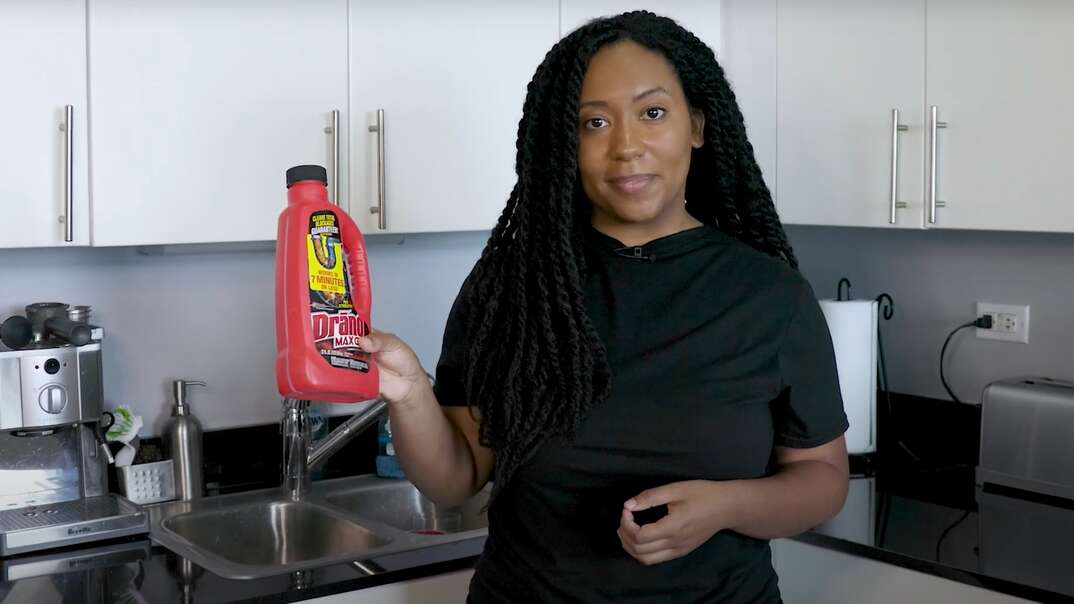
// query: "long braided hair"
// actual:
[[536, 365]]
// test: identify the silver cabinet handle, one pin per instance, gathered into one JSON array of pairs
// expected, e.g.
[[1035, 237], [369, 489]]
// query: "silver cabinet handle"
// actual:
[[334, 129], [68, 129], [896, 128], [934, 123], [379, 209]]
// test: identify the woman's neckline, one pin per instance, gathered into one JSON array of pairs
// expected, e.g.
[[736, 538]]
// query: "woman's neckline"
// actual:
[[664, 246]]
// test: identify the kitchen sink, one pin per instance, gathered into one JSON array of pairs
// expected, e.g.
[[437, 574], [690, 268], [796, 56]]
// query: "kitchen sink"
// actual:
[[355, 519], [399, 504], [273, 533], [264, 533]]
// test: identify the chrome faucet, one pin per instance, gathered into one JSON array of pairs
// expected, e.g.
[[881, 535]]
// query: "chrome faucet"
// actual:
[[299, 458]]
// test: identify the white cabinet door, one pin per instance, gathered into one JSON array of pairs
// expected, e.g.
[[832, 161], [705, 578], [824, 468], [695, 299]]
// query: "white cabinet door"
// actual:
[[1000, 74], [748, 56], [43, 65], [450, 588], [450, 78], [199, 108], [815, 575], [702, 17], [843, 68]]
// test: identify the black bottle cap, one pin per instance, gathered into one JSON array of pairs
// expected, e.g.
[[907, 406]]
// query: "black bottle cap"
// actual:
[[300, 173]]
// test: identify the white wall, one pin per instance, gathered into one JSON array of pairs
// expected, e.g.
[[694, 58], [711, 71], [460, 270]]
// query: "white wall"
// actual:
[[209, 316], [935, 278]]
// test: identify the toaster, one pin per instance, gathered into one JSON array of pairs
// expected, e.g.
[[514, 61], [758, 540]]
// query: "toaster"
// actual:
[[1027, 435]]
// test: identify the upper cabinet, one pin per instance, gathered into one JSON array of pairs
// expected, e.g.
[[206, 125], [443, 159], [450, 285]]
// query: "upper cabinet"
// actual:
[[199, 108], [44, 198], [850, 117], [964, 78], [436, 96], [436, 104], [888, 113], [747, 54], [702, 17], [1001, 76]]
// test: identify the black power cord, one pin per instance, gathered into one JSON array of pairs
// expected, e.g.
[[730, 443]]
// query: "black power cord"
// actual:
[[984, 322], [887, 310], [947, 530]]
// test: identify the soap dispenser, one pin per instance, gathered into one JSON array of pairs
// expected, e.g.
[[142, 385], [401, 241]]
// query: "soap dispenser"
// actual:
[[183, 441]]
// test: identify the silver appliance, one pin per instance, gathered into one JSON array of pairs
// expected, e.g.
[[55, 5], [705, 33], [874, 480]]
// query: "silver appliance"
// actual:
[[53, 460], [1027, 425]]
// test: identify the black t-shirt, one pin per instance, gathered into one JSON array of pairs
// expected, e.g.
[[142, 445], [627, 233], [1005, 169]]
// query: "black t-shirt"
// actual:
[[718, 353]]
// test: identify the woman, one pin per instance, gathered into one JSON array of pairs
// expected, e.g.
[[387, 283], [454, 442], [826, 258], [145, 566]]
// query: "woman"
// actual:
[[634, 360]]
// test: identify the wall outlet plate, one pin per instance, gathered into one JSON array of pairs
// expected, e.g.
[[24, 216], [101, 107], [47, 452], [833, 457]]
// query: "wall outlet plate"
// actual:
[[1010, 322]]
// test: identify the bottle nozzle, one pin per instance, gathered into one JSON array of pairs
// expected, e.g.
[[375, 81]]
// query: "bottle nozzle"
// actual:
[[179, 392]]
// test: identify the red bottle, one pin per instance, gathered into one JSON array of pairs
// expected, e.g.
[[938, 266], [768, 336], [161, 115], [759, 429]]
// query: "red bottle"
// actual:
[[323, 297]]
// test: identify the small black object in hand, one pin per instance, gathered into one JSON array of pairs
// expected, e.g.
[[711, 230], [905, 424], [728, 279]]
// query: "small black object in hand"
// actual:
[[650, 515]]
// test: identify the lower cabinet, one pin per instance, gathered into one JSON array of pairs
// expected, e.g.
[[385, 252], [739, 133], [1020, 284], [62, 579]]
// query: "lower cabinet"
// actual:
[[814, 575], [450, 588]]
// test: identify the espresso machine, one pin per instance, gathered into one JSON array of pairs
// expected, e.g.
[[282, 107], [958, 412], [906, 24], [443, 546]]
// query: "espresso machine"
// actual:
[[53, 455]]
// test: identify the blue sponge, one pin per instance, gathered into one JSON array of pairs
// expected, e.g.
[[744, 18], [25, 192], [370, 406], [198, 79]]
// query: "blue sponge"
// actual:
[[388, 467]]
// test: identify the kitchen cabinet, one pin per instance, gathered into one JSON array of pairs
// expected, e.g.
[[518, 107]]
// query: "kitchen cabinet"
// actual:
[[449, 588], [450, 126], [699, 16], [199, 108], [194, 125], [844, 69], [999, 73], [814, 575], [447, 81], [44, 197], [841, 68], [747, 54]]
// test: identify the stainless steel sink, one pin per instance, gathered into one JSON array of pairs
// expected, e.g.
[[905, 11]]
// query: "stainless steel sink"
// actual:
[[400, 505], [264, 533], [276, 533]]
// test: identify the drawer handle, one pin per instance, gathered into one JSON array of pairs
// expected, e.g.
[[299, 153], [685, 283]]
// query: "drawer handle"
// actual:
[[68, 129], [934, 124], [896, 128], [334, 131], [379, 209]]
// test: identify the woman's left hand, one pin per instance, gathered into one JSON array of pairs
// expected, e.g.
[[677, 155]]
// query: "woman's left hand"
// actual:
[[697, 509]]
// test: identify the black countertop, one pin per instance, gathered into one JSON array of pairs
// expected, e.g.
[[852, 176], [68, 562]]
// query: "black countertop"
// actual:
[[936, 522], [137, 571], [918, 508], [994, 538]]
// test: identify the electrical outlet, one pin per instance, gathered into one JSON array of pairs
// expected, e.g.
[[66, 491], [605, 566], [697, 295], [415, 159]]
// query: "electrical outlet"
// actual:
[[1010, 323]]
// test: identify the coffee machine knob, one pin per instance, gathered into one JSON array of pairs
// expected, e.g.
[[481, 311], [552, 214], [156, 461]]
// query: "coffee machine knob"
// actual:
[[52, 399]]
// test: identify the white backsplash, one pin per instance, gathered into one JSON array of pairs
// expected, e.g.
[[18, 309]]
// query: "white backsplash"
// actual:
[[935, 277], [209, 316]]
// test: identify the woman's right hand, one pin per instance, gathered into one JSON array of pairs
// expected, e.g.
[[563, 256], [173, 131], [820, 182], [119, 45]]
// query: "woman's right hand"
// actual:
[[401, 373]]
